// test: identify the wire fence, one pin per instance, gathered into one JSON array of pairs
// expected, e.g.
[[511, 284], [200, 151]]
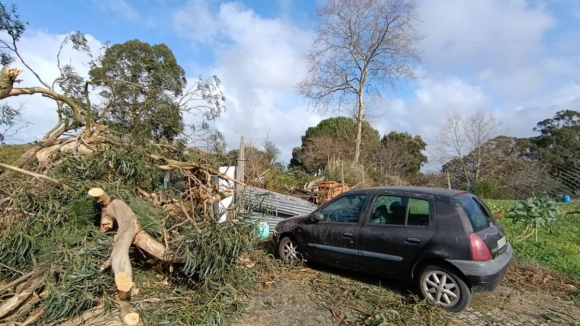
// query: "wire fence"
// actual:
[[533, 178]]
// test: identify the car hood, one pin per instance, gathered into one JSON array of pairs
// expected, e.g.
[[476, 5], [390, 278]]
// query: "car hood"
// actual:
[[288, 224]]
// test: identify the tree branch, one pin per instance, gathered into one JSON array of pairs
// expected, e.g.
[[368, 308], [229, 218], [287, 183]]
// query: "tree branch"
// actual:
[[36, 175], [47, 91]]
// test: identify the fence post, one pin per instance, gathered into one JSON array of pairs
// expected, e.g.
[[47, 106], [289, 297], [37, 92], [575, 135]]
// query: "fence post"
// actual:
[[448, 180], [342, 175], [241, 161], [362, 172], [239, 173]]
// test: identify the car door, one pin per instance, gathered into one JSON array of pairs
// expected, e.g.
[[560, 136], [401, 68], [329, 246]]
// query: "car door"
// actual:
[[396, 230], [336, 238]]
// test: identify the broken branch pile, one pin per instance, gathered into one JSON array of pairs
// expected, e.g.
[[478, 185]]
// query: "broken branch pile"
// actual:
[[57, 217]]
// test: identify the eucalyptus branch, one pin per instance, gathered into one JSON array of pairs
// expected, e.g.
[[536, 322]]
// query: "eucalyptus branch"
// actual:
[[15, 50]]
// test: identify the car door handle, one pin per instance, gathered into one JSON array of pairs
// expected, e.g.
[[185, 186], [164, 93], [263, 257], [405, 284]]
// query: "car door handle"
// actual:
[[347, 235], [413, 240]]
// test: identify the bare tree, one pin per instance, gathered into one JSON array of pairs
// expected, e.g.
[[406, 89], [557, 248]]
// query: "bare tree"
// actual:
[[271, 150], [462, 139], [360, 46]]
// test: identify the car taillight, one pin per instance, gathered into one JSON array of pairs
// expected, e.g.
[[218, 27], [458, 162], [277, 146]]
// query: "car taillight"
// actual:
[[479, 250]]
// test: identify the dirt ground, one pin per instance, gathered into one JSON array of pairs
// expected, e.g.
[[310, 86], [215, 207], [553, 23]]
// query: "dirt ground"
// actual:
[[307, 295]]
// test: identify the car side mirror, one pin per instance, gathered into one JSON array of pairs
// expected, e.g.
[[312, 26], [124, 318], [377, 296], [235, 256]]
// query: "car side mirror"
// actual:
[[317, 217]]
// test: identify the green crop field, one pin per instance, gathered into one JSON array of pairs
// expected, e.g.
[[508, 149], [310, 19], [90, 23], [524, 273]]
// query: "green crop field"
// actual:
[[559, 250]]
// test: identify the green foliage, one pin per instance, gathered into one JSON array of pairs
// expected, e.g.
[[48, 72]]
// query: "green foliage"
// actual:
[[559, 250], [128, 166], [493, 207], [294, 177], [333, 138], [140, 82], [559, 145], [405, 151], [209, 259], [486, 188], [149, 218], [62, 240], [535, 212], [209, 281], [558, 138], [10, 24]]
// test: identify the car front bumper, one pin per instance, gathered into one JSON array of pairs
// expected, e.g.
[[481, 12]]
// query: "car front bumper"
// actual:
[[485, 276]]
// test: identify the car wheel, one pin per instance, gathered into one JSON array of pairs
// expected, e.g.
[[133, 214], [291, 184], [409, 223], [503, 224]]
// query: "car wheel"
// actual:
[[444, 288], [289, 250]]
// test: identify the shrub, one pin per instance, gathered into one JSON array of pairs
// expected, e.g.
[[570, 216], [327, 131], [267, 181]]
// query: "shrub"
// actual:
[[534, 213], [486, 188]]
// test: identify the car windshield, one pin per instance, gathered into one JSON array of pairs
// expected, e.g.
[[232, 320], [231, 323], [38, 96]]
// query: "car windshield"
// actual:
[[346, 209], [477, 214]]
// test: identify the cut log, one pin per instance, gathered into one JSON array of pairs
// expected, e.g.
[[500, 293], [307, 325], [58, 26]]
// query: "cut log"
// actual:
[[12, 305], [27, 307], [127, 315], [127, 228], [101, 195], [123, 281], [131, 318], [16, 282], [151, 246], [33, 317]]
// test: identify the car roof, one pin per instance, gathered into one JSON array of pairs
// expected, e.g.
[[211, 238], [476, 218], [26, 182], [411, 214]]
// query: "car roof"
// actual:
[[409, 190]]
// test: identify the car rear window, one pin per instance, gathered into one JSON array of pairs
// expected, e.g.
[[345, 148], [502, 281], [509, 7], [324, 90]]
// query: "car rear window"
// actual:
[[479, 218]]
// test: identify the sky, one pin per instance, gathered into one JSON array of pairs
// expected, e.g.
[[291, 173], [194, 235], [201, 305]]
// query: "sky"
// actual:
[[519, 59]]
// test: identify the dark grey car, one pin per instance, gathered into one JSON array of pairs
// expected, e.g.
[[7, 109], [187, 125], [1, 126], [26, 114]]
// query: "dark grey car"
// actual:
[[446, 241]]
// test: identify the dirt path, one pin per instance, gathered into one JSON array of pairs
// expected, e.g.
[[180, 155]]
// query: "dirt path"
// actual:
[[317, 295]]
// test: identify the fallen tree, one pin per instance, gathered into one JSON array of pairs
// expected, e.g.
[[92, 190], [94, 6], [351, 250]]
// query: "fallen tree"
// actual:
[[56, 240], [168, 251]]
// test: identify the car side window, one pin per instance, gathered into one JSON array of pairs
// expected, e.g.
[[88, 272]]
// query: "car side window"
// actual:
[[392, 210], [418, 212], [389, 210], [346, 209]]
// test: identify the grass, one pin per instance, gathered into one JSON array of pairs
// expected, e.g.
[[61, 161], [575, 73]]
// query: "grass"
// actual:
[[559, 250], [10, 153]]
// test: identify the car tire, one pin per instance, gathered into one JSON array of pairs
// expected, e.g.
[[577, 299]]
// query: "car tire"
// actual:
[[289, 250], [443, 287]]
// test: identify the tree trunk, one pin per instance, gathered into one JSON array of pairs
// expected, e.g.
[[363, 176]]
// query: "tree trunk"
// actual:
[[359, 121], [126, 231], [7, 78]]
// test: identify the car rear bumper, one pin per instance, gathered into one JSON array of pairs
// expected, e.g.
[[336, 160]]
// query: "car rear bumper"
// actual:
[[485, 276]]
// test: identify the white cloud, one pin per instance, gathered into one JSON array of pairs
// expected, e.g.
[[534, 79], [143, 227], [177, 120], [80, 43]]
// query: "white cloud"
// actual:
[[477, 55], [498, 32], [424, 113], [258, 61], [196, 21], [118, 7]]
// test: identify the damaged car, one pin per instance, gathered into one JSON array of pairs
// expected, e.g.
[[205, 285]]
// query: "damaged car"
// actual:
[[447, 242]]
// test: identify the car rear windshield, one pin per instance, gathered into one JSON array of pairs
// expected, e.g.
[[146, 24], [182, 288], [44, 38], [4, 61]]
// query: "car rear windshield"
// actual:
[[477, 214]]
